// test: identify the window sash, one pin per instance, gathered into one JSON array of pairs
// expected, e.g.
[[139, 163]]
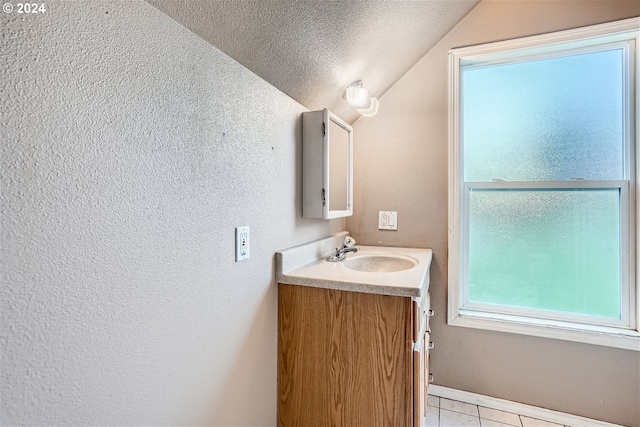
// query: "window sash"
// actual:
[[628, 46], [622, 186]]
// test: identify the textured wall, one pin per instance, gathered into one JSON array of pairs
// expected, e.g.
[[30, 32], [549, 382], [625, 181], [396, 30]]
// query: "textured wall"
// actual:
[[401, 164], [130, 149]]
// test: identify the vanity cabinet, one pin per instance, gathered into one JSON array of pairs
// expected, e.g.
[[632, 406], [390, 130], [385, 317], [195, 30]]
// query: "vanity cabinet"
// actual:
[[352, 359], [327, 166]]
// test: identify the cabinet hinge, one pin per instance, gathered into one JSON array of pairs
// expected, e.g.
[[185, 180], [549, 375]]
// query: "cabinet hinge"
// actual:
[[324, 128], [324, 200]]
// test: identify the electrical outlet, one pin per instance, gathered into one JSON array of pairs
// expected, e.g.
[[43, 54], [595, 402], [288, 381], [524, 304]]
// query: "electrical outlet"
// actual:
[[242, 243], [387, 220]]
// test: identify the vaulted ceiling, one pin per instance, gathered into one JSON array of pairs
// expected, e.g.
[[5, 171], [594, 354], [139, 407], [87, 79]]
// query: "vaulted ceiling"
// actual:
[[313, 49]]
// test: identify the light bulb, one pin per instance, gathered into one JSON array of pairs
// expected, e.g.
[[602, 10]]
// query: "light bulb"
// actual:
[[357, 97]]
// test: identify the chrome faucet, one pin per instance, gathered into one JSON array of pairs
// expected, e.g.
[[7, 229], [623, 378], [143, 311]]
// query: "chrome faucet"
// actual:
[[341, 253]]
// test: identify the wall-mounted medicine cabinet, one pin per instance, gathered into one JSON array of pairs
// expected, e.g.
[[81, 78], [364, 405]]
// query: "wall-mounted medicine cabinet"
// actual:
[[327, 166]]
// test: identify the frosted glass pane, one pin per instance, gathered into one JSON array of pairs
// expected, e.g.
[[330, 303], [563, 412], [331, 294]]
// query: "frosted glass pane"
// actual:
[[555, 250], [545, 120]]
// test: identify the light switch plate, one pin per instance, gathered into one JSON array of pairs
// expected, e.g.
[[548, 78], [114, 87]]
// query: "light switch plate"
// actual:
[[387, 220], [242, 243]]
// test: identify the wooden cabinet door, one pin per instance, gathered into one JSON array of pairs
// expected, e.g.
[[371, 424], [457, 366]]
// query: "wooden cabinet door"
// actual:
[[344, 358]]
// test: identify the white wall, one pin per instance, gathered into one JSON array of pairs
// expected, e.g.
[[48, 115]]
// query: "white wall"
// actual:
[[129, 151], [406, 146]]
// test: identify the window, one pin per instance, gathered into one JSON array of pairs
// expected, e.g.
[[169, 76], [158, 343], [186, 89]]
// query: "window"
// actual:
[[542, 197]]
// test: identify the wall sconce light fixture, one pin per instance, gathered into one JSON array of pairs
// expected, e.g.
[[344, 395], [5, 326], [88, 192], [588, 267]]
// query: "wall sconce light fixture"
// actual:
[[357, 96]]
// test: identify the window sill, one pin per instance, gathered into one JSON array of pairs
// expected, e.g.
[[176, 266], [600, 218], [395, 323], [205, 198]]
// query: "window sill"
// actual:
[[597, 335]]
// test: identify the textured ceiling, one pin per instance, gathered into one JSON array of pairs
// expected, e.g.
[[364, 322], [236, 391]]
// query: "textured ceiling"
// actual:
[[313, 49]]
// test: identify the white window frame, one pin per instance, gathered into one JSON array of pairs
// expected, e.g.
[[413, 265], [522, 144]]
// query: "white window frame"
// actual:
[[623, 333]]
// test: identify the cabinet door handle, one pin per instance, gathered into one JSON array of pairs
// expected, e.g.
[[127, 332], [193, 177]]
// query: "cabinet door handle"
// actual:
[[431, 345], [430, 312]]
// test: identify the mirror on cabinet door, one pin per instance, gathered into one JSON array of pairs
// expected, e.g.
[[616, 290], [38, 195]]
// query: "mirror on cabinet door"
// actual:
[[327, 166]]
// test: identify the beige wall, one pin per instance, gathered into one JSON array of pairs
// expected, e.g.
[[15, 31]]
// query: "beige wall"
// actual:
[[129, 150], [401, 165]]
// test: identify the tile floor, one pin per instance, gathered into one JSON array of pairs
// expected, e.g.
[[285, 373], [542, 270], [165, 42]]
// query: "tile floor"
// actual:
[[451, 413]]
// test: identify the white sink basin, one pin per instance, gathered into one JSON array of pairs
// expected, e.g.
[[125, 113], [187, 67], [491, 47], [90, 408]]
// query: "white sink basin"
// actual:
[[380, 263]]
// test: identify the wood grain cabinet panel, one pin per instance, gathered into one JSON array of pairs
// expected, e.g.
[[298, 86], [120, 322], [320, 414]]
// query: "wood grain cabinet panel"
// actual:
[[348, 359]]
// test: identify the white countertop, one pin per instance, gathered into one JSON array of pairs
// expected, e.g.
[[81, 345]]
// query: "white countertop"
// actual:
[[306, 265]]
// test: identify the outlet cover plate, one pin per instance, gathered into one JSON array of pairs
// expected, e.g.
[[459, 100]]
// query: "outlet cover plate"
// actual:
[[242, 243]]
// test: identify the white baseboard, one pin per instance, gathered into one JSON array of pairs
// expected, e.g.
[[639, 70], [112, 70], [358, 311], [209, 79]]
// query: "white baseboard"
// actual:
[[516, 408]]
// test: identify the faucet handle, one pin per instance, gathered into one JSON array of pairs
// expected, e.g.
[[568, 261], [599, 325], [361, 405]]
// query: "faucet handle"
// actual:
[[348, 242]]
